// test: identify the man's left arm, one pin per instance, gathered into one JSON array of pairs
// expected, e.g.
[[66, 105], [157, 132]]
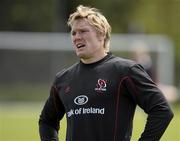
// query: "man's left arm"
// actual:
[[149, 97]]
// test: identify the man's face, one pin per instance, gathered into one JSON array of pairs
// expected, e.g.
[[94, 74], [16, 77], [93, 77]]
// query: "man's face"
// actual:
[[87, 42]]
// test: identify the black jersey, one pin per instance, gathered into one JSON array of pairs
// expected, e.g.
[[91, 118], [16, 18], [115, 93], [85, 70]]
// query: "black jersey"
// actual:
[[99, 101]]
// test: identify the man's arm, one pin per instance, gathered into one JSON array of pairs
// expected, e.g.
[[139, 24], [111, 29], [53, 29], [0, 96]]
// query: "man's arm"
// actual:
[[47, 133], [148, 96], [51, 114]]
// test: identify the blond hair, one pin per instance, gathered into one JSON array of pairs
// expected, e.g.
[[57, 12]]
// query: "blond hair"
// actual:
[[95, 18]]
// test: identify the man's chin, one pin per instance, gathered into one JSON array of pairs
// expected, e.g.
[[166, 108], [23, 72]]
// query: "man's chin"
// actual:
[[81, 55]]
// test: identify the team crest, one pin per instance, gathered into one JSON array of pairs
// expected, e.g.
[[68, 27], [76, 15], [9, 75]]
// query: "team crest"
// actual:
[[101, 85]]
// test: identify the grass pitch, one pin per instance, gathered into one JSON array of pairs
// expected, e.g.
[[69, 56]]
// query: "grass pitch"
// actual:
[[19, 122]]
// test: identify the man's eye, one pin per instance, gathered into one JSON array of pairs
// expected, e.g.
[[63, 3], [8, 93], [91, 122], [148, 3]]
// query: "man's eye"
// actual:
[[73, 33], [83, 31]]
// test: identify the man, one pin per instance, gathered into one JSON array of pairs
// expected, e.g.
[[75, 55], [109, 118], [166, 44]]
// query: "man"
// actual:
[[99, 94]]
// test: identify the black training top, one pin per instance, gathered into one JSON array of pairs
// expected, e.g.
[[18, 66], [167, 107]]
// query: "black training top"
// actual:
[[99, 101]]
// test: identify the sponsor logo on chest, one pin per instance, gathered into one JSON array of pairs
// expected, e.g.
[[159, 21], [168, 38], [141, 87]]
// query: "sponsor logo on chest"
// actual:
[[82, 100]]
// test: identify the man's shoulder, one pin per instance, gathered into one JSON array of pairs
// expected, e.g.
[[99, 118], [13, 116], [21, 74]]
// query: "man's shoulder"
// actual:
[[66, 71], [122, 62]]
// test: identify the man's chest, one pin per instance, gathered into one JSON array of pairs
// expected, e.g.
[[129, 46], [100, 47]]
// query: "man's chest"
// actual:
[[88, 93]]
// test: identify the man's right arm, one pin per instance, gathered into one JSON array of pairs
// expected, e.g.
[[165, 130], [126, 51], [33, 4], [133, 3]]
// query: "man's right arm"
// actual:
[[51, 114], [47, 133]]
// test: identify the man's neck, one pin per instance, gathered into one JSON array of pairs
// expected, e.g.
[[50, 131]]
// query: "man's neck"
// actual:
[[93, 59]]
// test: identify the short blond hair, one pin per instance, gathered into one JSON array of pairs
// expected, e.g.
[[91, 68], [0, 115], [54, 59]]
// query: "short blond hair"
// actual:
[[95, 18]]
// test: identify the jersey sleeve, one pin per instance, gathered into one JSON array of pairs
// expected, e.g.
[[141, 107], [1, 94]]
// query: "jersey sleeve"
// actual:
[[53, 111], [149, 97]]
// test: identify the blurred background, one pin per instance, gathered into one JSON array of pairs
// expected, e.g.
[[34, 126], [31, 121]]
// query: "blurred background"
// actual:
[[35, 44]]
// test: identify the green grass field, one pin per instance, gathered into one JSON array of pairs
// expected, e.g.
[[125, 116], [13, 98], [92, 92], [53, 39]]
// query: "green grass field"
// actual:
[[19, 122]]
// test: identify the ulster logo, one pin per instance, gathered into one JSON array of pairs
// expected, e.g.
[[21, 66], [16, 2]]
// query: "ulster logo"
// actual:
[[101, 85]]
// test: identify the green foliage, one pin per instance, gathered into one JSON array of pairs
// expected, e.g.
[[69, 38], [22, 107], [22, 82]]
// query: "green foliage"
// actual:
[[125, 16], [27, 15], [160, 17]]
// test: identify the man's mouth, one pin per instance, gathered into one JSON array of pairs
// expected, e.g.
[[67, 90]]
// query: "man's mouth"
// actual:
[[80, 45]]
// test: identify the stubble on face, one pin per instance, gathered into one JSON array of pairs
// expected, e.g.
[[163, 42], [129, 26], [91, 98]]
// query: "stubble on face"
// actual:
[[87, 41]]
